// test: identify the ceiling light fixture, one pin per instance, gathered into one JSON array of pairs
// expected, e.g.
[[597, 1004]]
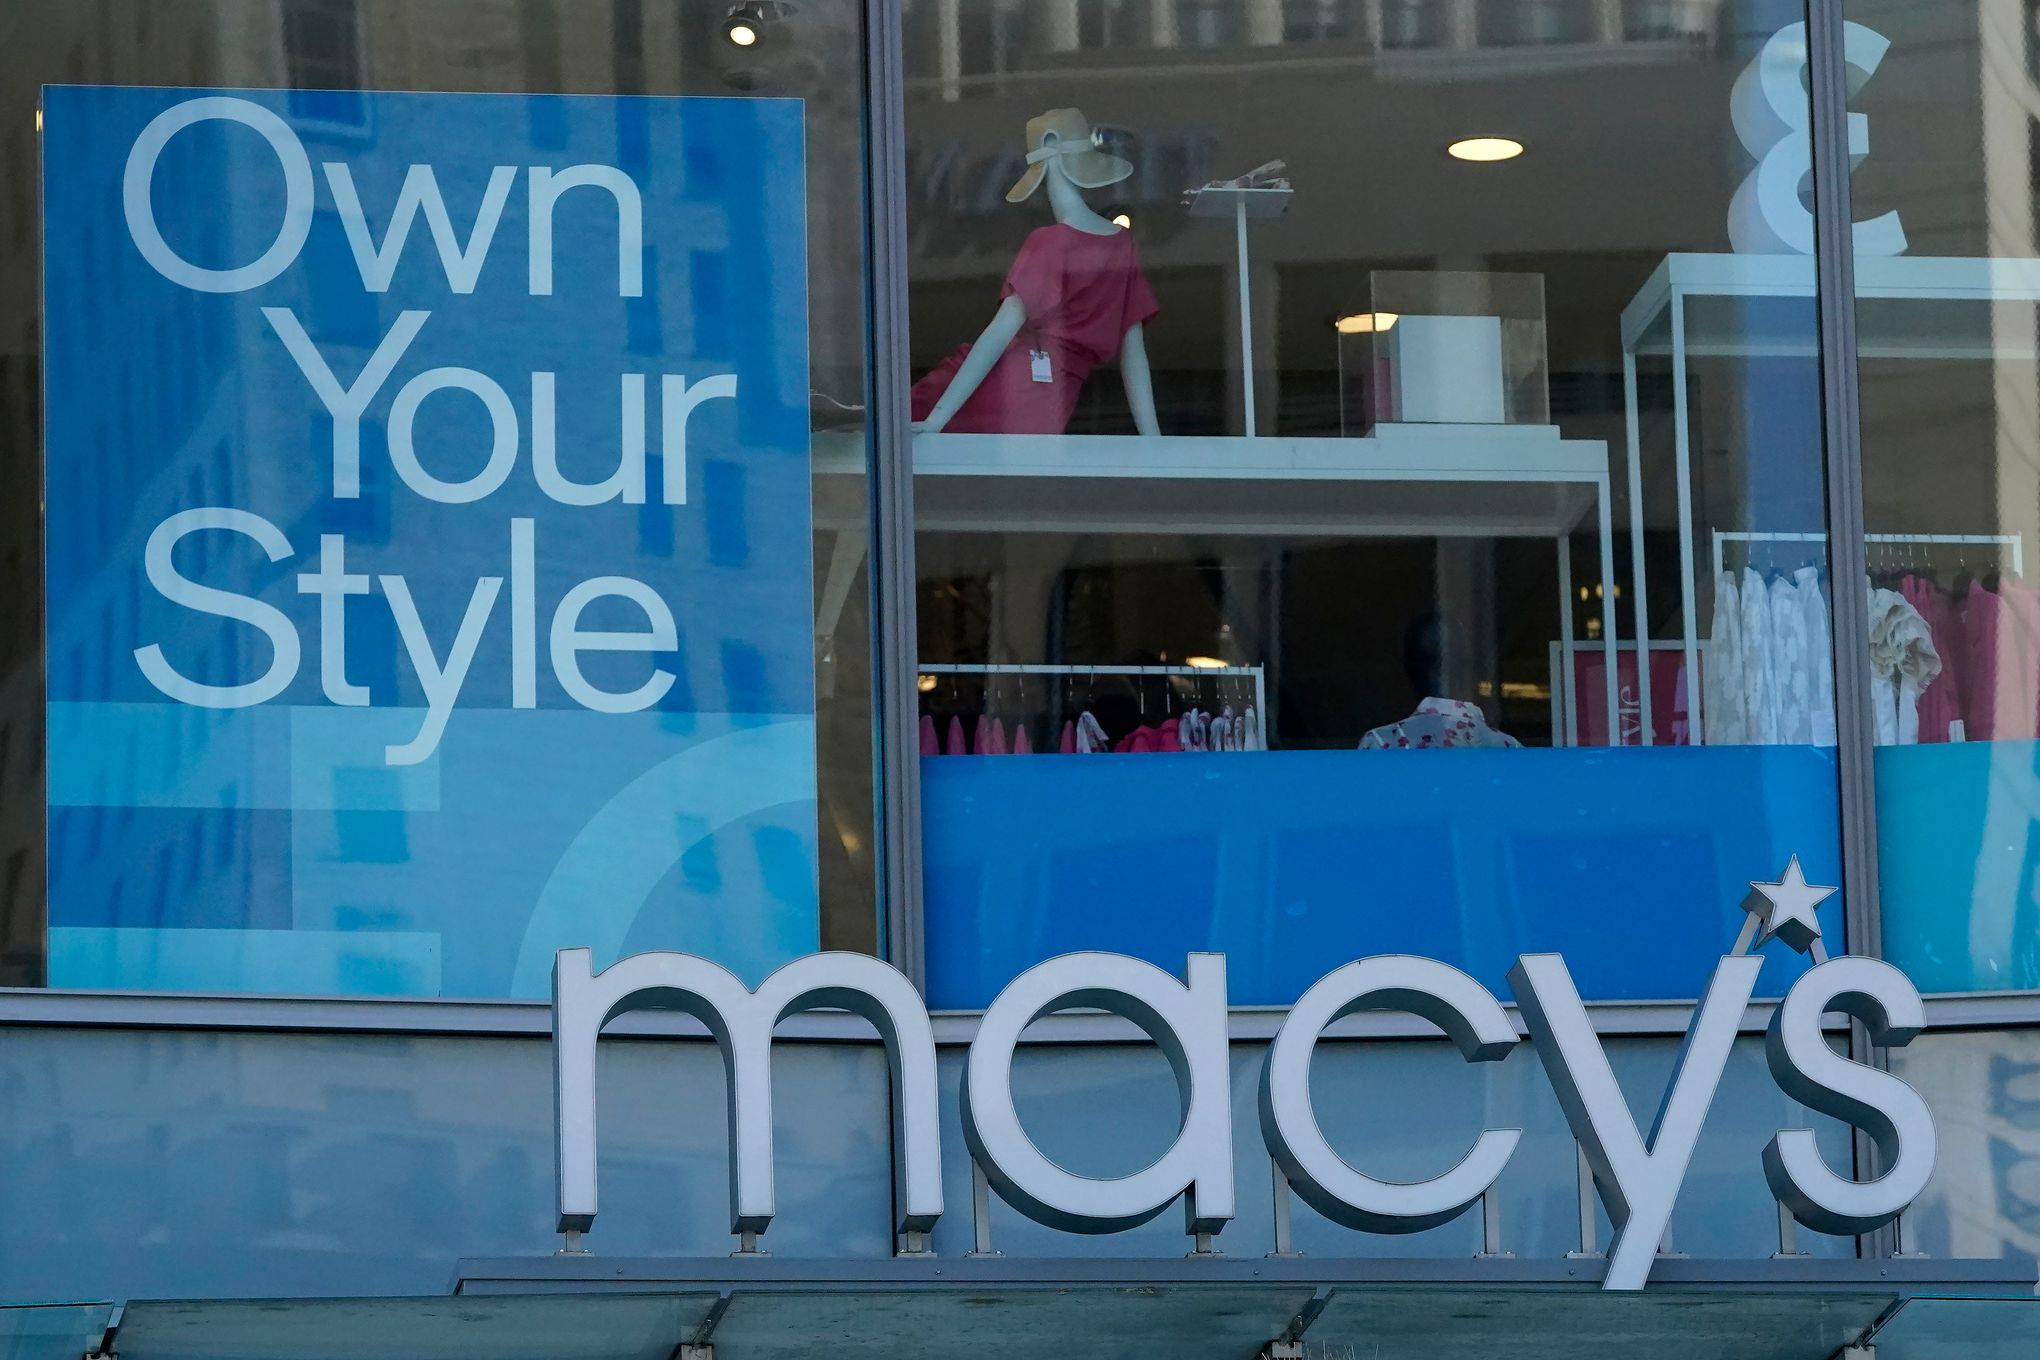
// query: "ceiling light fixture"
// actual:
[[1123, 221], [741, 33], [1366, 323], [1204, 663], [1484, 149]]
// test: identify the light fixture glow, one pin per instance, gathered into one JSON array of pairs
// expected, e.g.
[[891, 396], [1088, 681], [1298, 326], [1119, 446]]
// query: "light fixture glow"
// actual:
[[742, 34], [38, 119], [1204, 663], [1366, 323], [1485, 149], [926, 684], [1122, 221]]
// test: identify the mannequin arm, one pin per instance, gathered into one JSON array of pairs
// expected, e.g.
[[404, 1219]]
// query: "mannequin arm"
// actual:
[[1140, 385], [984, 352]]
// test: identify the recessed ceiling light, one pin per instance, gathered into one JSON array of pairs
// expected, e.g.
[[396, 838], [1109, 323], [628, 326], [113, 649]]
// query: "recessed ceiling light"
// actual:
[[1485, 149], [1366, 323], [1204, 663], [741, 33]]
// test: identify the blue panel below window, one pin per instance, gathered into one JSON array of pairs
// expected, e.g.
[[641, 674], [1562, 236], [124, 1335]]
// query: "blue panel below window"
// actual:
[[1633, 863], [1958, 863]]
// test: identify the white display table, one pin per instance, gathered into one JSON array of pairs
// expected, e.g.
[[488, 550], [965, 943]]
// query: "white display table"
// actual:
[[1403, 481]]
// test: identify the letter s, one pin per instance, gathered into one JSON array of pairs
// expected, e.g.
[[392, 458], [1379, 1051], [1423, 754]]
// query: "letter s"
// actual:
[[1891, 1112], [178, 589]]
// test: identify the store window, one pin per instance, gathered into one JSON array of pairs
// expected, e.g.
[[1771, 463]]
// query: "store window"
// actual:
[[1284, 405], [451, 462], [1947, 261]]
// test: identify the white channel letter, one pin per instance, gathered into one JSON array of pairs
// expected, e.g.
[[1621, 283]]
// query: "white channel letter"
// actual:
[[378, 263], [1639, 1180], [1187, 1021], [1471, 1018], [626, 484], [345, 405], [677, 402], [137, 195], [546, 186], [440, 683], [742, 1022], [569, 640], [502, 427], [179, 589], [1891, 1112]]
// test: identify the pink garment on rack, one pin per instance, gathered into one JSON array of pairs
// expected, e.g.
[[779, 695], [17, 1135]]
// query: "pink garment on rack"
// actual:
[[997, 746], [1068, 744], [2002, 628], [1168, 737], [2025, 611], [1022, 746], [1941, 704], [981, 736], [1142, 742], [930, 746], [953, 743]]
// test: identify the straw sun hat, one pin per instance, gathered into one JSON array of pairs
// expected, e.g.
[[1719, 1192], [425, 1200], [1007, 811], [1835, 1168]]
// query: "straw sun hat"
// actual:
[[1081, 160]]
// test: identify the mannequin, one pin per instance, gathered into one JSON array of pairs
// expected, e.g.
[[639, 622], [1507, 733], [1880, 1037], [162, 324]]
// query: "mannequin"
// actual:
[[1060, 293]]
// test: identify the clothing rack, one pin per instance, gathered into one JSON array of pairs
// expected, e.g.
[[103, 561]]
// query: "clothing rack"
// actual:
[[2015, 542], [1257, 674]]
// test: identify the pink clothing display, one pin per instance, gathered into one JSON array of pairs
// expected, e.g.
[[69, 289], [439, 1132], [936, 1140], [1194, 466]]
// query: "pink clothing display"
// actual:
[[1068, 745], [930, 746], [995, 745], [1941, 705], [952, 744], [1082, 293], [1022, 746]]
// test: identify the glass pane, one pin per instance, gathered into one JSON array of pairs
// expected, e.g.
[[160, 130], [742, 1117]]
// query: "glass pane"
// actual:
[[1302, 382], [556, 1327], [436, 570], [1948, 284], [1961, 1329]]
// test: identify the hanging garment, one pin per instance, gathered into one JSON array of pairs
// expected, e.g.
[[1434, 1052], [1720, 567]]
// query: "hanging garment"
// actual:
[[1725, 709], [1022, 745], [1169, 736], [1068, 744], [1082, 292], [1760, 693], [952, 743], [1091, 737], [981, 735], [930, 744], [1941, 707], [1820, 651], [2024, 607], [1438, 723], [997, 745], [2001, 662], [1251, 729], [1903, 663], [1791, 664]]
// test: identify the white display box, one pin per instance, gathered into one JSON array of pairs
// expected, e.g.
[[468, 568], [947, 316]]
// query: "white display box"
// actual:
[[1447, 369]]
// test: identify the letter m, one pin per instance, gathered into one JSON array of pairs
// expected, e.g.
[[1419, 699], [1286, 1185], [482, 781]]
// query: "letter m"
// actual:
[[742, 1022]]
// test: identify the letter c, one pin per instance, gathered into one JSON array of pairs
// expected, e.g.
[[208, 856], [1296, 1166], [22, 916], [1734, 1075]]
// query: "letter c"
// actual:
[[137, 195], [1449, 999]]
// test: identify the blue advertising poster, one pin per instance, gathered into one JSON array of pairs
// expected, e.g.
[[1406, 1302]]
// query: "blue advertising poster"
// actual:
[[429, 564]]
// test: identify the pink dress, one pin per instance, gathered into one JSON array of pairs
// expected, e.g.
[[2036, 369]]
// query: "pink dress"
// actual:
[[1082, 292]]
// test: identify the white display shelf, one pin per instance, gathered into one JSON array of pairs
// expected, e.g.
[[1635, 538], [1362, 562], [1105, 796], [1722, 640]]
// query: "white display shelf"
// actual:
[[1709, 305], [1411, 481]]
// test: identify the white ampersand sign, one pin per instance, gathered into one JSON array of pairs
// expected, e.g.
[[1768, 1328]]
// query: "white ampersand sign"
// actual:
[[1770, 109]]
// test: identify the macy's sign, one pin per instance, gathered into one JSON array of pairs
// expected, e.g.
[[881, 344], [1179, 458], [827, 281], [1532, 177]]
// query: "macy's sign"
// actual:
[[1638, 1175]]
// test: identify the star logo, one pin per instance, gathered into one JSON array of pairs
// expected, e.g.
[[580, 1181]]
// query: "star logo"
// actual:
[[1785, 910]]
